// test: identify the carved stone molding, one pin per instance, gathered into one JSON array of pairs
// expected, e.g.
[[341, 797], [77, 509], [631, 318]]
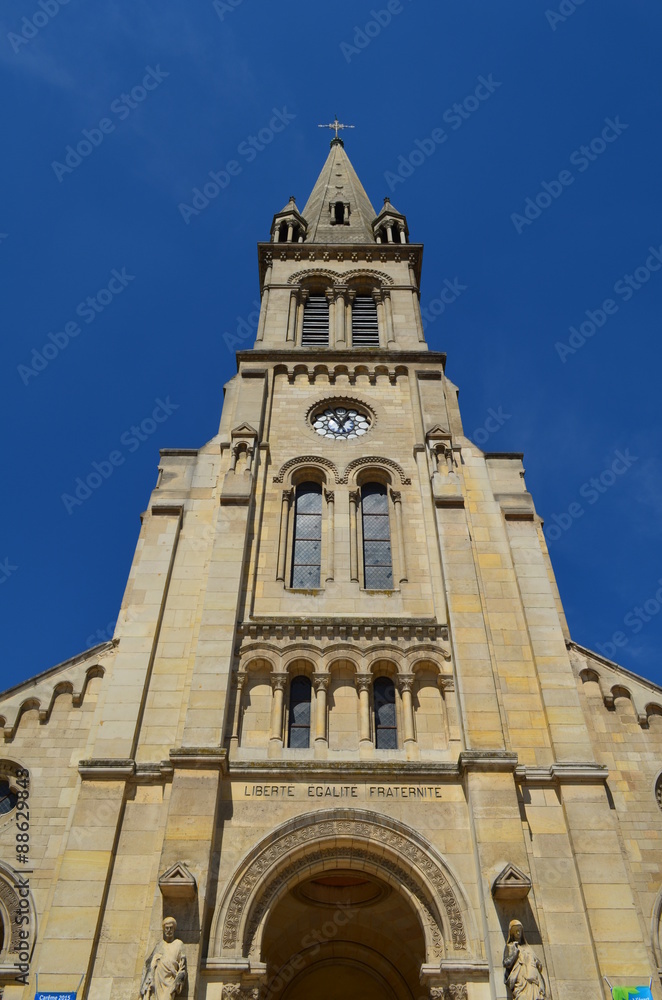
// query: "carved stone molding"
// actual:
[[339, 277], [327, 629], [306, 460], [235, 991], [377, 460], [411, 865]]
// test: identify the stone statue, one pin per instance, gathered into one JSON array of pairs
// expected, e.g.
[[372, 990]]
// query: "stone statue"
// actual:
[[523, 970], [165, 969]]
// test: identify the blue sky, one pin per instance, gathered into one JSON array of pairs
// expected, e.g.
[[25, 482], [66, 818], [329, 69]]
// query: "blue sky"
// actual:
[[137, 304]]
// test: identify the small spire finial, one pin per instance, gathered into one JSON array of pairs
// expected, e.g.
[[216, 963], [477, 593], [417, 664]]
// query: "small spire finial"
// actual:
[[336, 125]]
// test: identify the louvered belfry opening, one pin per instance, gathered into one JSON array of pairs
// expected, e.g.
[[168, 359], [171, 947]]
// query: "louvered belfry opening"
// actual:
[[315, 322], [365, 332]]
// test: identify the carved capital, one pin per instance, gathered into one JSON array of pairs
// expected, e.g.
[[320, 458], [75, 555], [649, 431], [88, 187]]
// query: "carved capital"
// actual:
[[405, 682], [240, 679], [278, 681], [321, 682], [235, 991], [363, 681], [396, 496], [329, 496], [288, 496], [355, 497]]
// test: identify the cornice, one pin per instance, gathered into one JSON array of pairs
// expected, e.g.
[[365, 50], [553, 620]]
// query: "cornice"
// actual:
[[354, 354], [127, 769], [397, 771], [563, 773], [288, 627], [487, 760]]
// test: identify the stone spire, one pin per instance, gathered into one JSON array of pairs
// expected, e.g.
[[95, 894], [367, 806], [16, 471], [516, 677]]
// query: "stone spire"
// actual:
[[339, 210]]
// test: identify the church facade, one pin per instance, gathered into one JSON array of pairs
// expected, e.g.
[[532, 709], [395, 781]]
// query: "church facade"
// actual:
[[342, 743]]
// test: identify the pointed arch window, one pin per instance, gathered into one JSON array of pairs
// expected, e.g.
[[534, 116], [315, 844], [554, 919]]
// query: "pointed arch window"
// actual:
[[386, 730], [298, 737], [377, 559], [365, 329], [315, 332], [307, 545]]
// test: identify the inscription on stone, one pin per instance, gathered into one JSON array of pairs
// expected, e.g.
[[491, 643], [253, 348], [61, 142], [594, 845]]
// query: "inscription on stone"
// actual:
[[325, 791]]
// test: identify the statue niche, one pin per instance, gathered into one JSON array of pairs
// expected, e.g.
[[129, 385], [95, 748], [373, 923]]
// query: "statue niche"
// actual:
[[164, 975], [522, 968]]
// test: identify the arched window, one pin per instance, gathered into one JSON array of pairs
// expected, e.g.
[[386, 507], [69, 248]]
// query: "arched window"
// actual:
[[8, 797], [315, 331], [307, 547], [386, 730], [377, 562], [365, 331], [299, 715]]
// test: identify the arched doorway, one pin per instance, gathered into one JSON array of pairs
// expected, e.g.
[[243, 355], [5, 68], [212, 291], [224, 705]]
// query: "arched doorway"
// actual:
[[342, 933], [343, 901]]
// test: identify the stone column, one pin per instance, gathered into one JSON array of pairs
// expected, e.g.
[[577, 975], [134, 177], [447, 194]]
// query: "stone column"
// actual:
[[321, 682], [416, 305], [341, 337], [401, 232], [240, 680], [292, 316], [354, 501], [405, 683], [396, 497], [388, 309], [381, 315], [286, 500], [363, 682], [331, 299], [389, 232], [290, 231], [301, 305], [349, 305], [329, 496], [265, 302], [278, 682]]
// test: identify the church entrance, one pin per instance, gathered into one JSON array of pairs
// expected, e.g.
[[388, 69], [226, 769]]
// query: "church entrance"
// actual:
[[341, 934]]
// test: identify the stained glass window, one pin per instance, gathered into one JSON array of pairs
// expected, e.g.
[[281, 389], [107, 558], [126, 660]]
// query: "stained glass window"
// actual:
[[307, 547]]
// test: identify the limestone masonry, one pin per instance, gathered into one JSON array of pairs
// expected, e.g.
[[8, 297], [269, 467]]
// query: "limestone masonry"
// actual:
[[341, 744]]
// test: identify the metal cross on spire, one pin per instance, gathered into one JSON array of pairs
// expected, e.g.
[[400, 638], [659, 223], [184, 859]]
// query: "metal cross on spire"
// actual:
[[336, 125]]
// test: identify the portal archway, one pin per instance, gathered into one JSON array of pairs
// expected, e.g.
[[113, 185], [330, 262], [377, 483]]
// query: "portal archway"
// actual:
[[408, 904]]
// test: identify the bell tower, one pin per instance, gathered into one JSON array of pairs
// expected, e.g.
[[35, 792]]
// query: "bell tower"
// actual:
[[341, 727]]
